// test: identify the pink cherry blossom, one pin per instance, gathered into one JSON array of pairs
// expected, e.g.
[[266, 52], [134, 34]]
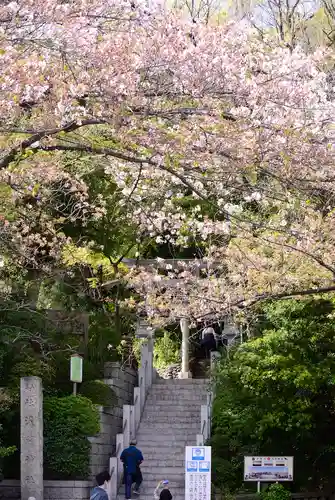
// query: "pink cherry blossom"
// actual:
[[242, 127]]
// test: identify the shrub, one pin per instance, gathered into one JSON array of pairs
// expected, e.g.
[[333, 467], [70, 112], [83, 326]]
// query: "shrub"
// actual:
[[166, 351], [31, 368], [275, 492], [98, 392], [68, 422]]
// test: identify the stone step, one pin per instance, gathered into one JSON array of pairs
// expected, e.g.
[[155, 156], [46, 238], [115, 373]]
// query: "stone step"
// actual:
[[166, 439], [146, 437], [150, 496], [153, 477], [166, 405], [175, 387], [189, 398], [163, 470], [165, 446], [151, 451], [176, 448], [198, 383], [161, 418], [153, 459], [144, 433], [150, 458], [148, 488], [166, 462], [191, 415], [148, 446], [146, 495], [198, 391], [150, 484], [173, 398], [178, 387], [165, 426]]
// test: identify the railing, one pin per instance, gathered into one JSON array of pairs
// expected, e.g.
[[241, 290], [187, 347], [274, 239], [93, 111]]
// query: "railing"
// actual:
[[206, 410], [131, 416]]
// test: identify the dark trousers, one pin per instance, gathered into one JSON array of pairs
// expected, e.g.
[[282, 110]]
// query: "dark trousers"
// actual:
[[208, 345], [133, 478]]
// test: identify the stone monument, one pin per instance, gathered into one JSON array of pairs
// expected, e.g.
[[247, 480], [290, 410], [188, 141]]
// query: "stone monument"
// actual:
[[31, 438]]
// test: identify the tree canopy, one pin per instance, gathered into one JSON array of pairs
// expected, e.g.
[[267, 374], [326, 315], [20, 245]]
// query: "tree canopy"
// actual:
[[192, 134], [275, 395], [136, 131]]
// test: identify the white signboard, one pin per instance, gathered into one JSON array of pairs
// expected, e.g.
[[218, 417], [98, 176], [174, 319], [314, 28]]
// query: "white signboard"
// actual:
[[268, 469], [198, 472]]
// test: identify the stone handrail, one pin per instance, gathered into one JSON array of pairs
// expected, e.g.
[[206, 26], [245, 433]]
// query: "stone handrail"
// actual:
[[132, 415], [206, 410]]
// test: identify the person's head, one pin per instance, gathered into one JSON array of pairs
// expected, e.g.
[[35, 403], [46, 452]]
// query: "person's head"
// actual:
[[103, 479], [165, 483], [133, 442]]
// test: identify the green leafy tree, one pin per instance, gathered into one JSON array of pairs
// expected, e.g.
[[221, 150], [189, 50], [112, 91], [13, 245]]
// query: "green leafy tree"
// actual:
[[276, 394]]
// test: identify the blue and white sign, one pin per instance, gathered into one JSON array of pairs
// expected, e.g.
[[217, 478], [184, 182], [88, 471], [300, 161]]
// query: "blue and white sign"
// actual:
[[204, 466], [198, 472], [198, 453]]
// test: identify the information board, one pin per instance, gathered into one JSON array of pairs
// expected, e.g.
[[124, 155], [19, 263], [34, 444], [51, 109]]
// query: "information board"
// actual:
[[268, 469], [198, 472]]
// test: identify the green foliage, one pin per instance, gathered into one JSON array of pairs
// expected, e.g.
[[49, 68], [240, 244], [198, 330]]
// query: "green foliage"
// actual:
[[166, 350], [137, 345], [32, 368], [98, 392], [276, 393], [6, 452], [68, 422], [275, 492]]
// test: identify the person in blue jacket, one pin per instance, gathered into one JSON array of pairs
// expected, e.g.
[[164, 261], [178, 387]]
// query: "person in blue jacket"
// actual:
[[100, 491], [132, 458]]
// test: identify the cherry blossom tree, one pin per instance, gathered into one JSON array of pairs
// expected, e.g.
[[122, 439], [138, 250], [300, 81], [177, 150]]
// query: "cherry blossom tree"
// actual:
[[214, 138]]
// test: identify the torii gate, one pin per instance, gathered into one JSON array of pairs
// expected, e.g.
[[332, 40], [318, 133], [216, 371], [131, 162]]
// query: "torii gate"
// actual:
[[229, 332]]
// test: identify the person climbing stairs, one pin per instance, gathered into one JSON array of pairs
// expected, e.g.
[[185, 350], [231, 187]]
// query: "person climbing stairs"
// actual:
[[170, 421]]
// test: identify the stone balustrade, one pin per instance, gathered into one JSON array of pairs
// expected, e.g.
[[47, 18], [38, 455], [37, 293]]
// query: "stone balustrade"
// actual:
[[206, 410], [132, 414]]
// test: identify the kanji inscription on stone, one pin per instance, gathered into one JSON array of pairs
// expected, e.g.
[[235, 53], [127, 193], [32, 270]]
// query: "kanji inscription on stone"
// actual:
[[31, 438]]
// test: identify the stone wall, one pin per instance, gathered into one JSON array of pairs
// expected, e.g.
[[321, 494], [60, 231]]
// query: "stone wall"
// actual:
[[53, 490], [122, 381]]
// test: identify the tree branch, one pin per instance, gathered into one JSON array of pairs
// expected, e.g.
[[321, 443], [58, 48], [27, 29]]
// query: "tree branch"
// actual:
[[37, 136], [300, 250], [244, 303]]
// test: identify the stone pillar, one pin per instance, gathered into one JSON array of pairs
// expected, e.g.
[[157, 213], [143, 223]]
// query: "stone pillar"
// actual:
[[215, 356], [150, 361], [145, 366], [204, 421], [200, 440], [119, 449], [113, 470], [132, 422], [185, 329], [137, 407], [31, 438], [141, 383], [126, 425]]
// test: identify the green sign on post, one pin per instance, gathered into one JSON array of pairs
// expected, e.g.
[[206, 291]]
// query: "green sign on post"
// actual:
[[76, 371]]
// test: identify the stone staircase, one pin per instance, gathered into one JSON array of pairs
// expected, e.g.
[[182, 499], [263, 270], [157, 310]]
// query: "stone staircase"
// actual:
[[170, 421]]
